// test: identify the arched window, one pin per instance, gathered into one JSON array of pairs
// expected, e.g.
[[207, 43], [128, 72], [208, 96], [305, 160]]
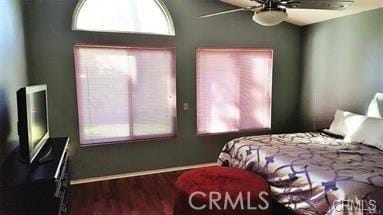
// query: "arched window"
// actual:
[[129, 16]]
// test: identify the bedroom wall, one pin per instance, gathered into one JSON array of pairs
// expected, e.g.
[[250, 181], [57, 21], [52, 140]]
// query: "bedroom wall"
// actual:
[[50, 55], [12, 71], [342, 67]]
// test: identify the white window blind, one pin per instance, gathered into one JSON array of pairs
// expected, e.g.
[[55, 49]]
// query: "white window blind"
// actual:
[[233, 90], [125, 93]]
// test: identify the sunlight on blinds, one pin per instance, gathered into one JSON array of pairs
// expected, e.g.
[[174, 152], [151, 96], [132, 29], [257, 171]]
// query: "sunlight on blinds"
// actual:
[[233, 90], [125, 93]]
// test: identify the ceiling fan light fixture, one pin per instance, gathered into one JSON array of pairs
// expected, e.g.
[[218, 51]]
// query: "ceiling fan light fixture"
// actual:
[[270, 16]]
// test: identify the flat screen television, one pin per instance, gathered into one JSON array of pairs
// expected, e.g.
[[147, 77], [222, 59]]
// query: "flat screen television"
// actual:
[[33, 125]]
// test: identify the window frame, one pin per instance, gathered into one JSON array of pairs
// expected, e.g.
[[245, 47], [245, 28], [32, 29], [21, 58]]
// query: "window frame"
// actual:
[[118, 140], [196, 91], [159, 3]]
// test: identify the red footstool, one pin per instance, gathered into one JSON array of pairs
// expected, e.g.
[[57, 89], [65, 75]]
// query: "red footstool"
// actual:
[[221, 190]]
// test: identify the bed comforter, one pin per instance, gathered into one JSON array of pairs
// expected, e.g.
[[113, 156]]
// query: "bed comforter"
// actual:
[[313, 173]]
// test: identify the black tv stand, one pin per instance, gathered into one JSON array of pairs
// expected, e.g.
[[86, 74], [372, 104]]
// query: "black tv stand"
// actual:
[[41, 188], [45, 154]]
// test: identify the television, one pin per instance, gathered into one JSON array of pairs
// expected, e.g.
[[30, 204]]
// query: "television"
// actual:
[[33, 127]]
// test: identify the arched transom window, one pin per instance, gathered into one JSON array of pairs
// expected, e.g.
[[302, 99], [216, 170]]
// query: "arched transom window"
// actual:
[[130, 16]]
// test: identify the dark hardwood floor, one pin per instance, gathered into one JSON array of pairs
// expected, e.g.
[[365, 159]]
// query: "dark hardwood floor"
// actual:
[[149, 194], [141, 195]]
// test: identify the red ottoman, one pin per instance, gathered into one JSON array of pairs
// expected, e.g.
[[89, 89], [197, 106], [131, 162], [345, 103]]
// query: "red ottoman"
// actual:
[[221, 190]]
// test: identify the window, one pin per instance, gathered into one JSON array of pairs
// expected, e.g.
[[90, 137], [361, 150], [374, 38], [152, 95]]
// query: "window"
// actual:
[[134, 16], [233, 90], [125, 93]]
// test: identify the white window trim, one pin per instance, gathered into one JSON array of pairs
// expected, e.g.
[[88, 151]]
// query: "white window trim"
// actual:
[[159, 3]]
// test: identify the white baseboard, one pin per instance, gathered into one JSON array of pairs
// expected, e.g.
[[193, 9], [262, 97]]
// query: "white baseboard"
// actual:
[[133, 174]]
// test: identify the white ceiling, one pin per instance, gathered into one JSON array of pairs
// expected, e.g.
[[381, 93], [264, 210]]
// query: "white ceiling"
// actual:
[[303, 17]]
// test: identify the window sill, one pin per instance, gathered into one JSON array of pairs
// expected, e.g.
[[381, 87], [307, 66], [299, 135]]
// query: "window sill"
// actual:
[[234, 132], [127, 141]]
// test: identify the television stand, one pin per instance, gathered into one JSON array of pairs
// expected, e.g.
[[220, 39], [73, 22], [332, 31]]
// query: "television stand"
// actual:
[[45, 154], [40, 188]]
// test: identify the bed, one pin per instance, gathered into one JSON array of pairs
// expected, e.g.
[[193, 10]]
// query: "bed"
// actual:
[[313, 172]]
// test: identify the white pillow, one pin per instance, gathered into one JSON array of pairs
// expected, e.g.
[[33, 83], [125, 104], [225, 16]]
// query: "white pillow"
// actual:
[[375, 109], [345, 122], [370, 132]]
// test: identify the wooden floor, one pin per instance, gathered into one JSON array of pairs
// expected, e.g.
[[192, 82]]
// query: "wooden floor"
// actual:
[[141, 195], [149, 194]]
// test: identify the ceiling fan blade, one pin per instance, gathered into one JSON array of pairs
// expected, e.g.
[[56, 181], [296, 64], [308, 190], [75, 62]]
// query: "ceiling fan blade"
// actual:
[[223, 12], [231, 11], [260, 1], [320, 4], [291, 4]]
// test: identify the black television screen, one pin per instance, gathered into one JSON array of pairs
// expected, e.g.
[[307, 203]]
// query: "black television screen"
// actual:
[[38, 117], [33, 120]]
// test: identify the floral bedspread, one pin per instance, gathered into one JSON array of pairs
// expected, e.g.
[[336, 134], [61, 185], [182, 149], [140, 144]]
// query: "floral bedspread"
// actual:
[[313, 173]]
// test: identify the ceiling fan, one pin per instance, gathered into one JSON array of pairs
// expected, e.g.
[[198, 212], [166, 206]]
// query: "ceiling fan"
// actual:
[[273, 12]]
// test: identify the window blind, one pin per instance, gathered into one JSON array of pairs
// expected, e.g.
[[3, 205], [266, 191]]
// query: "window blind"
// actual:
[[233, 90], [125, 93]]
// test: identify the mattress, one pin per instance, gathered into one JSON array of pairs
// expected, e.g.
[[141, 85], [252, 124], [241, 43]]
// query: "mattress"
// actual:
[[313, 172]]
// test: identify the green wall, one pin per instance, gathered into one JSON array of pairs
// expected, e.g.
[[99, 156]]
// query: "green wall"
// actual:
[[342, 66], [50, 56], [12, 71], [317, 69]]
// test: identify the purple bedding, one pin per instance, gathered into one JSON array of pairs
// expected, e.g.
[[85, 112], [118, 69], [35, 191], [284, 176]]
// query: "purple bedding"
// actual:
[[313, 173]]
